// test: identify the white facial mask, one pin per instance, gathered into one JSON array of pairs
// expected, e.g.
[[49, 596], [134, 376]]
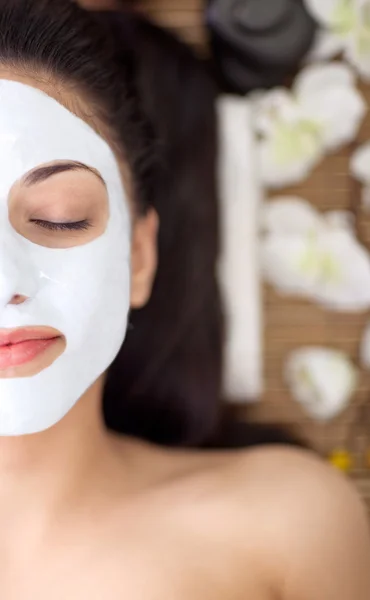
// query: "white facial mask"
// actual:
[[82, 291]]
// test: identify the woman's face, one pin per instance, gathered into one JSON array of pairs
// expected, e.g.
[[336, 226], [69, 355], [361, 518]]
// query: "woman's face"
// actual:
[[73, 254]]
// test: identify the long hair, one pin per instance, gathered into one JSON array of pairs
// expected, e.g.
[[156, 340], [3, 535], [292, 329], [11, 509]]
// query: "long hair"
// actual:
[[158, 102], [169, 369]]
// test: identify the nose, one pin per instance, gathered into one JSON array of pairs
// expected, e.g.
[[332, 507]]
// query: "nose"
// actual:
[[18, 299]]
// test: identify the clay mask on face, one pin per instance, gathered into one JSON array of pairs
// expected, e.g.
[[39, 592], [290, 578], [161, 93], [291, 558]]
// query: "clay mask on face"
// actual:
[[81, 291]]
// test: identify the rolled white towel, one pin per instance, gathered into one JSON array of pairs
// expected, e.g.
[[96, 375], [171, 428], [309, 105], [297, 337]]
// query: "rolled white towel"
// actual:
[[240, 199]]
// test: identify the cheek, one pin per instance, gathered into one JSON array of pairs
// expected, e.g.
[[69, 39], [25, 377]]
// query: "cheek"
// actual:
[[86, 290]]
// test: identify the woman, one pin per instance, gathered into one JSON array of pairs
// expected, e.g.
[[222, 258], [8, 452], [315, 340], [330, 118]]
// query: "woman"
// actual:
[[84, 512]]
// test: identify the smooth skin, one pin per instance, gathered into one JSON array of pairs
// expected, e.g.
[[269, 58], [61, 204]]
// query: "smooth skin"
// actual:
[[87, 514]]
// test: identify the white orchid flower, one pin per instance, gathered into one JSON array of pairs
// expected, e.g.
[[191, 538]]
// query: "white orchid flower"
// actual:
[[314, 255], [345, 29], [360, 169], [321, 380], [365, 348], [295, 128]]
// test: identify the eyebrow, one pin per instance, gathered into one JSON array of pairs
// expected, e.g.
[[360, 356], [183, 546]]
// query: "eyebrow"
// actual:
[[43, 173]]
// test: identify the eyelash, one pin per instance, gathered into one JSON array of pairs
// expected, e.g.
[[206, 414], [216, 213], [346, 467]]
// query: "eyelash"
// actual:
[[76, 226]]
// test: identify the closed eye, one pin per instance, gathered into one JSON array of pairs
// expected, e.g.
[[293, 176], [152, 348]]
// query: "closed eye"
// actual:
[[75, 226]]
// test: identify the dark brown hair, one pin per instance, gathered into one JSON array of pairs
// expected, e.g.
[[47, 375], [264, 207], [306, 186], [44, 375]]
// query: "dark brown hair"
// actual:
[[172, 356], [158, 101]]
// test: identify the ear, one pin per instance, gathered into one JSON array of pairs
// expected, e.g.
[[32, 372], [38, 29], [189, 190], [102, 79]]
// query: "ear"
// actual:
[[143, 258]]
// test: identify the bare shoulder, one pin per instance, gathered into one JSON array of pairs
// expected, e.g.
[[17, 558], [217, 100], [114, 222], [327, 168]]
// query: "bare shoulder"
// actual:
[[286, 516], [296, 488], [291, 475], [277, 478], [312, 518], [275, 521]]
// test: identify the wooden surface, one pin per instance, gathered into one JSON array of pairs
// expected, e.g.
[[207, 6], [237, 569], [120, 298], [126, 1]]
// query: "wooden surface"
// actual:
[[183, 16], [291, 323]]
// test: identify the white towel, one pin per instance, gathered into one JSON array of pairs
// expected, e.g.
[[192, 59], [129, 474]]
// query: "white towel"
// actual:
[[240, 194]]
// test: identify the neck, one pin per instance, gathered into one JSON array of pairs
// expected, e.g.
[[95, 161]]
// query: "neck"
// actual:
[[42, 474]]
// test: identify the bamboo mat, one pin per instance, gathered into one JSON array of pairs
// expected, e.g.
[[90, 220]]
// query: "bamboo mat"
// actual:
[[291, 323], [183, 16]]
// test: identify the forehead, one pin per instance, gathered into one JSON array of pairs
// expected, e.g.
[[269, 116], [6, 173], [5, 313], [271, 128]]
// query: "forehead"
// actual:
[[36, 129]]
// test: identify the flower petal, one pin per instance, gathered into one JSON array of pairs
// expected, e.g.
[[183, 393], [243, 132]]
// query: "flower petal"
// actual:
[[327, 96], [360, 61], [340, 111], [289, 160], [326, 45], [341, 219], [322, 10], [270, 106], [290, 263], [322, 261], [319, 77], [325, 111], [344, 284], [321, 380], [289, 215], [357, 47], [360, 163], [360, 170], [365, 348]]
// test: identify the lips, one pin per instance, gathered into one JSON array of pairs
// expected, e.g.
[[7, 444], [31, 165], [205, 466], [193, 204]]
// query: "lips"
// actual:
[[21, 346]]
